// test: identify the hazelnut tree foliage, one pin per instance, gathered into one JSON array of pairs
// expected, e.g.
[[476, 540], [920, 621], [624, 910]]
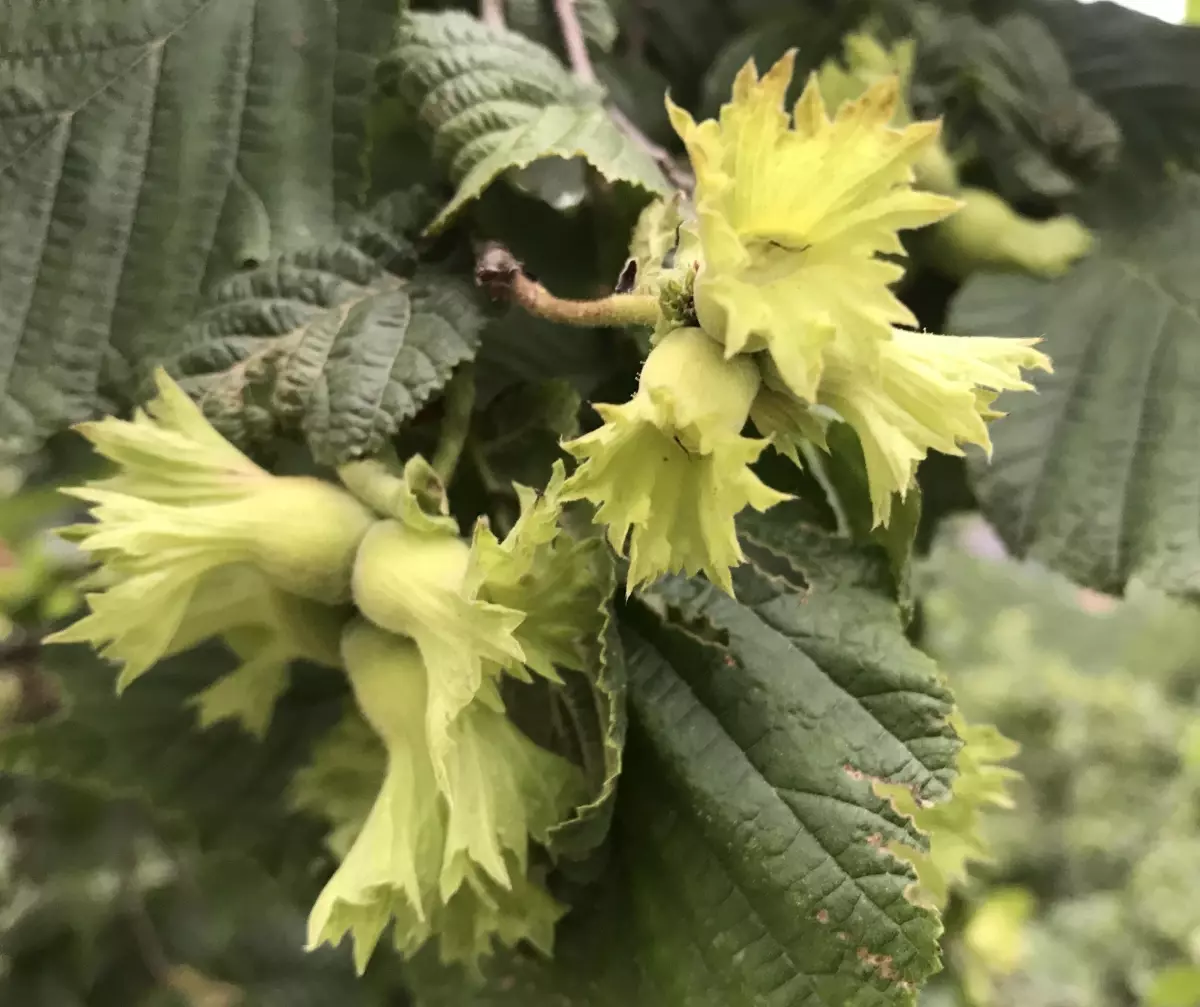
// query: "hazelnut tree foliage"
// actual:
[[500, 438]]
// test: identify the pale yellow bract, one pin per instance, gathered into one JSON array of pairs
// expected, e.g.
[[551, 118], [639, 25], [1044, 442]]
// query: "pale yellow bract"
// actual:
[[669, 469], [194, 541], [443, 851], [793, 214]]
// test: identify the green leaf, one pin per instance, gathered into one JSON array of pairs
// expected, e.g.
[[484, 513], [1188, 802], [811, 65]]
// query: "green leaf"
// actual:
[[328, 342], [1008, 97], [495, 100], [219, 784], [1097, 475], [1142, 71], [748, 863], [596, 705], [147, 150]]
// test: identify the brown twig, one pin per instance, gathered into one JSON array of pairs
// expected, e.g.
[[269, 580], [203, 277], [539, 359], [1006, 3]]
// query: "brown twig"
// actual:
[[576, 44], [503, 277], [581, 67], [491, 13]]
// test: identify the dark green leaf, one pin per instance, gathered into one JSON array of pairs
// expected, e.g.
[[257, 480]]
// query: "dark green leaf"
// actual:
[[1141, 70], [1008, 97], [747, 865], [329, 342], [1097, 474], [146, 149]]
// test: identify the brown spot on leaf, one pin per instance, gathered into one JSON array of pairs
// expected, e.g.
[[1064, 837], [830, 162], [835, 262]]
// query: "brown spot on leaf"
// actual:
[[1095, 603], [823, 916], [854, 774], [880, 963]]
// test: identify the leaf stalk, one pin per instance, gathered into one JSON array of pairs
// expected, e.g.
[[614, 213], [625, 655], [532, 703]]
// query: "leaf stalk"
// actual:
[[499, 273]]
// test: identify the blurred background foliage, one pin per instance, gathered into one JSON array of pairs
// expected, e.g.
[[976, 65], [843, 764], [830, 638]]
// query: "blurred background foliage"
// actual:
[[1092, 893]]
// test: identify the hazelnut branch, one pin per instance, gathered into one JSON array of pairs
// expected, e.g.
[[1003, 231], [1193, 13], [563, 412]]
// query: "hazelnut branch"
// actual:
[[576, 44], [581, 67], [499, 273], [491, 13]]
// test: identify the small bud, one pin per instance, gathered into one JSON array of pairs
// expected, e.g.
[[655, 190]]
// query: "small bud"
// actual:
[[669, 470]]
